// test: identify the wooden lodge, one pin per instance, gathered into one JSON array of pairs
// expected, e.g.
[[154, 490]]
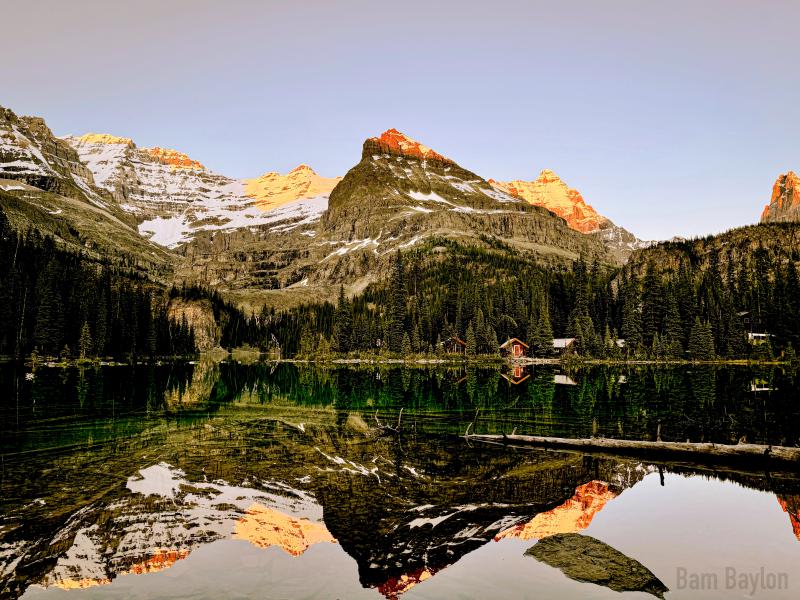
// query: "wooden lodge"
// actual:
[[564, 345], [513, 348], [454, 345]]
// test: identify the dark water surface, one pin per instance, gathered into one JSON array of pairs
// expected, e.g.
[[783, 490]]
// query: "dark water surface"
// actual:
[[222, 480]]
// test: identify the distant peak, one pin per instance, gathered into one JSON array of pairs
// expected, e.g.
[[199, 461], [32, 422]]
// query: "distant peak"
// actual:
[[105, 138], [551, 192], [784, 205], [301, 168], [395, 142], [173, 158], [547, 176]]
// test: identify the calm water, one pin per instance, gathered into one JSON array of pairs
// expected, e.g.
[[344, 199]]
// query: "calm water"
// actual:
[[273, 481]]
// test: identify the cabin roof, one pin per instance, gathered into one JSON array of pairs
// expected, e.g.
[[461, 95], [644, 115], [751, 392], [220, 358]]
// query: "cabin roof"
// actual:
[[562, 342], [510, 341]]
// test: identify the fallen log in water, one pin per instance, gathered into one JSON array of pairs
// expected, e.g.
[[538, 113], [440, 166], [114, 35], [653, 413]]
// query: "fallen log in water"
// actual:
[[701, 452]]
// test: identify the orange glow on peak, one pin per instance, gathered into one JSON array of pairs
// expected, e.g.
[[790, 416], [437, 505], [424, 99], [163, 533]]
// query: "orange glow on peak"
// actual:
[[395, 142], [105, 138], [173, 158], [571, 517], [264, 527]]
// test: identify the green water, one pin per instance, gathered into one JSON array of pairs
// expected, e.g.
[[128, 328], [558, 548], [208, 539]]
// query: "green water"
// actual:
[[218, 480]]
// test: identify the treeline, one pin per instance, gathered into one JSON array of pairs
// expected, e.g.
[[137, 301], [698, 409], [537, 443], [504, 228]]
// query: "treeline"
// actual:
[[57, 303], [486, 295], [480, 295], [702, 308]]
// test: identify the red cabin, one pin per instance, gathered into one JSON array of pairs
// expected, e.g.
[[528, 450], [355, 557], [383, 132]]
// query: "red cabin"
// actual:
[[514, 348]]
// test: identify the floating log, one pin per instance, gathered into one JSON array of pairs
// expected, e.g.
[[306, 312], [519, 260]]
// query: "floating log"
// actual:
[[704, 452]]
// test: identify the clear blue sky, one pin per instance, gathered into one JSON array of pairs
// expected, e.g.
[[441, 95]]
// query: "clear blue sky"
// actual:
[[672, 118]]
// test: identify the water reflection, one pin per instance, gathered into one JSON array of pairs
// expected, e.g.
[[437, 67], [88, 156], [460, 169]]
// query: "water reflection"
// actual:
[[122, 471]]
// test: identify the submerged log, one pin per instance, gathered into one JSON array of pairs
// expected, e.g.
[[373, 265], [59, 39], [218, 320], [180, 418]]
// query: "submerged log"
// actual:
[[783, 455]]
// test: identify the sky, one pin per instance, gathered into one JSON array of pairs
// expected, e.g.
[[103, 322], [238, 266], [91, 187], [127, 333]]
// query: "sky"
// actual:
[[671, 118]]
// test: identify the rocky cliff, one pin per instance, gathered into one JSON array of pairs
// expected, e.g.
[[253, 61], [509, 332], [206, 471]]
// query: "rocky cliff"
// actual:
[[44, 185], [402, 192], [551, 192], [29, 152], [784, 205]]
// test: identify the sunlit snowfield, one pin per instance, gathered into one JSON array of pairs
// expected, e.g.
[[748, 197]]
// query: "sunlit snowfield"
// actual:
[[277, 481]]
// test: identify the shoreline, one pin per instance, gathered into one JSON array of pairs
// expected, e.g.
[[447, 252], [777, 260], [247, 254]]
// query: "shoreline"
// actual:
[[250, 357]]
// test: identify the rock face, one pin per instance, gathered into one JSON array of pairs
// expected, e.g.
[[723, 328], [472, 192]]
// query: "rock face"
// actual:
[[555, 195], [551, 192], [29, 152], [44, 184], [199, 315], [585, 558], [784, 205]]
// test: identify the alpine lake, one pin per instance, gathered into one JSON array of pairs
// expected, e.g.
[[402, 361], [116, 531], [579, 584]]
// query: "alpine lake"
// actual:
[[284, 480]]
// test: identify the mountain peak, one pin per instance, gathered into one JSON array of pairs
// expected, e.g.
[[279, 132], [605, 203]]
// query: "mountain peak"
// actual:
[[272, 190], [105, 138], [548, 176], [395, 142], [303, 168], [784, 204], [550, 191], [173, 158]]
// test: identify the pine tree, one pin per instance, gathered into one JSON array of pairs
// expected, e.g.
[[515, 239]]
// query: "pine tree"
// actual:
[[85, 343], [542, 340], [405, 348], [701, 341], [472, 348], [632, 320], [672, 337], [49, 331], [395, 322], [342, 324]]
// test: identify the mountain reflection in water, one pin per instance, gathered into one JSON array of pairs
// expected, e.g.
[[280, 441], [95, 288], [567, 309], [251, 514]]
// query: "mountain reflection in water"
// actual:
[[129, 471]]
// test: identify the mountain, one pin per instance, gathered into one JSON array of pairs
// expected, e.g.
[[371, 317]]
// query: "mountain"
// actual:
[[278, 236], [44, 185], [173, 197], [401, 195], [551, 192], [784, 205], [402, 192]]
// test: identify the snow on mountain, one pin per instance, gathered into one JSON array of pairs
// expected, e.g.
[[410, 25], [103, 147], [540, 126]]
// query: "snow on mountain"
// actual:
[[174, 196]]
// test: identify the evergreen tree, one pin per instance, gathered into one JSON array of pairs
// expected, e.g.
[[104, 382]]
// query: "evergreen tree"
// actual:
[[472, 347], [673, 327], [406, 349], [395, 319], [542, 339], [342, 324], [631, 320], [85, 343], [701, 341]]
